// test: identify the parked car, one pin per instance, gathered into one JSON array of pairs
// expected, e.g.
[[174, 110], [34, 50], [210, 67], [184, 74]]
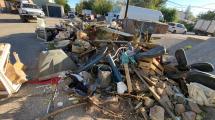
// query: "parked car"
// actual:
[[28, 11], [71, 14], [177, 28]]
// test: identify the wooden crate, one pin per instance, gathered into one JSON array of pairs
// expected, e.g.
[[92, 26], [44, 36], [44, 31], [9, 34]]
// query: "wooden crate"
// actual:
[[151, 66]]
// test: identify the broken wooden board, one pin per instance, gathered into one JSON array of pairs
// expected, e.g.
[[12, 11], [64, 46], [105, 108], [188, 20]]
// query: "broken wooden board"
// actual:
[[5, 81], [15, 72], [18, 64], [117, 32], [154, 61], [151, 64]]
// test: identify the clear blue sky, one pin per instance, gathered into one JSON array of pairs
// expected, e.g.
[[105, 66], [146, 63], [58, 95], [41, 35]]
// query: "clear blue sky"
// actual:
[[73, 3], [197, 6]]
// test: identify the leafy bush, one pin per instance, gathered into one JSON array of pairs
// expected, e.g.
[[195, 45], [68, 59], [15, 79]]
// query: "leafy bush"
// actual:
[[170, 15], [189, 26]]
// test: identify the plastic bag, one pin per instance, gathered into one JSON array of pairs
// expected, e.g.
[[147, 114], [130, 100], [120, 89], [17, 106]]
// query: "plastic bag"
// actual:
[[201, 94]]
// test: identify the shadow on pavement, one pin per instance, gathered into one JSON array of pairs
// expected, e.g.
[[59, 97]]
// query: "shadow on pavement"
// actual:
[[10, 21], [27, 46], [186, 44]]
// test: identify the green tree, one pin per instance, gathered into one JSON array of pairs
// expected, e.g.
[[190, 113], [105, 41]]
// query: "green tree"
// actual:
[[64, 3], [84, 4], [61, 2], [79, 7], [98, 6], [170, 15], [210, 15], [88, 4], [67, 8], [152, 4], [102, 6]]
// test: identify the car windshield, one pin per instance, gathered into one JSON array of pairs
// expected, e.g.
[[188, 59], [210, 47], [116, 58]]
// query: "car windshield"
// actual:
[[29, 6], [180, 25]]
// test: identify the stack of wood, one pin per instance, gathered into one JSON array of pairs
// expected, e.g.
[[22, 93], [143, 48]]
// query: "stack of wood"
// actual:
[[11, 75], [151, 66]]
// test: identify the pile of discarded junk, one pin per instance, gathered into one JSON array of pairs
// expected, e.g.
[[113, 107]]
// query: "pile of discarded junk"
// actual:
[[122, 74]]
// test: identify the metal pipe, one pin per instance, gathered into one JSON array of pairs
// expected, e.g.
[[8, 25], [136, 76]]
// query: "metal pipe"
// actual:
[[126, 10], [96, 60], [116, 73]]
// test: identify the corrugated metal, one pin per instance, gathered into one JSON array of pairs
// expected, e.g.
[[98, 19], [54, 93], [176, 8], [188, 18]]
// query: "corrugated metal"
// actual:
[[211, 28], [54, 11], [198, 24], [205, 25]]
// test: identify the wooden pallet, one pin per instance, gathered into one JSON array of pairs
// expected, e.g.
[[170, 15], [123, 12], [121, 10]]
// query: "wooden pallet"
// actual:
[[151, 66]]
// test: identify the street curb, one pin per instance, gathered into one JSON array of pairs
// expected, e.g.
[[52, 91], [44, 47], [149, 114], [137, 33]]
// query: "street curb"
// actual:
[[194, 38]]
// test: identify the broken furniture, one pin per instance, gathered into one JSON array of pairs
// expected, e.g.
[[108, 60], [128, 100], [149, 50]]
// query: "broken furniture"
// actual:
[[197, 72], [53, 62], [146, 28], [150, 61], [11, 75], [41, 29], [183, 64], [45, 33]]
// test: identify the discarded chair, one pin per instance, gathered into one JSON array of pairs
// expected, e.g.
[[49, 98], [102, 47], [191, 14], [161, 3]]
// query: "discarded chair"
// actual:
[[41, 29], [197, 72]]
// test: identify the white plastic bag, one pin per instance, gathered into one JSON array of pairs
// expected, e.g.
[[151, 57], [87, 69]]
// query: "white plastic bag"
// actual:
[[121, 87]]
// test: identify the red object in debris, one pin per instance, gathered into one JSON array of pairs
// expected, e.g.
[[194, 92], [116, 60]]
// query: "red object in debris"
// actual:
[[54, 80], [158, 59]]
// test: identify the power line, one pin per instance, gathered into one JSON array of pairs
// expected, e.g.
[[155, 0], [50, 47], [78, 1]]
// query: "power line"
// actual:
[[174, 3], [183, 6]]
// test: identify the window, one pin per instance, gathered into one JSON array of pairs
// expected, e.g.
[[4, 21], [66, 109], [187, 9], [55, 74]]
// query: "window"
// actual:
[[180, 25], [29, 6], [171, 24]]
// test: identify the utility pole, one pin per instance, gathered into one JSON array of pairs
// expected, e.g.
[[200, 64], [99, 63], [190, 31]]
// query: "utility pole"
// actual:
[[126, 9]]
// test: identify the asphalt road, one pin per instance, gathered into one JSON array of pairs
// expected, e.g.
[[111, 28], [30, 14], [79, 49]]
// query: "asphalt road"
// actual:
[[22, 38]]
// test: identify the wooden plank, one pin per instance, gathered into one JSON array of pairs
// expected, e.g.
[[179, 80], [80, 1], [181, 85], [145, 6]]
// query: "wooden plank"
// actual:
[[21, 76], [4, 56], [144, 64], [152, 64], [9, 86], [128, 79], [154, 68], [117, 32], [147, 60], [11, 73], [6, 63], [2, 88], [156, 63], [18, 64]]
